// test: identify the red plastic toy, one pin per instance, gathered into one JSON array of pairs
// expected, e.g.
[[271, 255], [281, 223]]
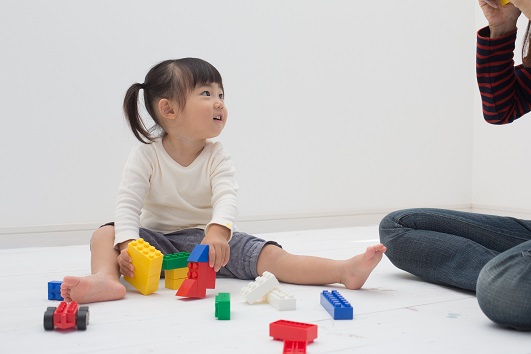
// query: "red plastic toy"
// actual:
[[66, 315], [293, 331]]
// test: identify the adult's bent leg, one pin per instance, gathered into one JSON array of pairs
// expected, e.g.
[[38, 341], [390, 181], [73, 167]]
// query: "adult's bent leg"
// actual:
[[448, 247], [504, 288]]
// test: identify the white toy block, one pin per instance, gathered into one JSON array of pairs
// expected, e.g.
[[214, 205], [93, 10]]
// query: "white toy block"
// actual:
[[281, 299], [261, 286]]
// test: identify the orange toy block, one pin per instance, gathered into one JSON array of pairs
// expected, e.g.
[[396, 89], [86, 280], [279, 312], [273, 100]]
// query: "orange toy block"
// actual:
[[147, 261]]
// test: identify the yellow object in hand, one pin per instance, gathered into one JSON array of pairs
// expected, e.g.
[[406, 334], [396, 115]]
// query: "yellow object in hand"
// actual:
[[504, 2]]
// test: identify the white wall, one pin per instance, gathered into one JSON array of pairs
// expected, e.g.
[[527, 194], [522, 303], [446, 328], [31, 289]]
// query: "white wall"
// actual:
[[502, 169], [335, 106]]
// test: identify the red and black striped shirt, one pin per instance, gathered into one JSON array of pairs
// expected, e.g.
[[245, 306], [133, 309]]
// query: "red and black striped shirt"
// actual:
[[505, 88]]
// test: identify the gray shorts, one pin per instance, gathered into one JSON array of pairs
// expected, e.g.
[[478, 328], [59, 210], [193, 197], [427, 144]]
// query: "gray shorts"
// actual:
[[244, 249]]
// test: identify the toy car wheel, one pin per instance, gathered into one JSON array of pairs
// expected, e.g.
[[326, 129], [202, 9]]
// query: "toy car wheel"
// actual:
[[48, 318], [82, 318]]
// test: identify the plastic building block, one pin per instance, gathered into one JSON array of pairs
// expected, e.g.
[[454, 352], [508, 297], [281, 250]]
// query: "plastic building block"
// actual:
[[204, 272], [336, 305], [178, 273], [66, 315], [54, 290], [189, 288], [256, 290], [281, 299], [173, 284], [504, 2], [200, 278], [199, 254], [175, 260], [222, 306], [293, 331], [292, 347], [173, 278], [147, 261]]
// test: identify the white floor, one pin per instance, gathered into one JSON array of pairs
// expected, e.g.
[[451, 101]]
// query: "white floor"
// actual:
[[394, 313]]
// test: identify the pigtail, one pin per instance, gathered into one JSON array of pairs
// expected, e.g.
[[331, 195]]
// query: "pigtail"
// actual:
[[132, 114]]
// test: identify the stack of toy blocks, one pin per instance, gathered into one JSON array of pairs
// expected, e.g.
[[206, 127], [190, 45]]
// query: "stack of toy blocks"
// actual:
[[222, 306], [147, 261], [175, 268], [54, 290], [296, 335], [336, 305], [266, 288], [200, 275]]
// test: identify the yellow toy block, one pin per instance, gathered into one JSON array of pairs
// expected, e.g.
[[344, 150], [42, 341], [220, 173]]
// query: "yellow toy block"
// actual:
[[173, 278], [504, 2], [176, 273], [144, 285], [147, 261], [173, 284]]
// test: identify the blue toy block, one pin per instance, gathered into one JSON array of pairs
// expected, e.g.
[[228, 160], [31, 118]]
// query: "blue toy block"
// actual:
[[199, 254], [336, 305], [54, 290]]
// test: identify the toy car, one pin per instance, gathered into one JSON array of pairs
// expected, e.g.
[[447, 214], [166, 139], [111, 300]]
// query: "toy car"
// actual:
[[66, 315]]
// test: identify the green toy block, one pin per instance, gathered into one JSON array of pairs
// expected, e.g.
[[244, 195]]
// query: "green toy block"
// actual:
[[175, 260], [222, 306]]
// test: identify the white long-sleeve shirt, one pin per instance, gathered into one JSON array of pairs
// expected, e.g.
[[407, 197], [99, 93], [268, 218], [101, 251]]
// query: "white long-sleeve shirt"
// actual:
[[159, 194]]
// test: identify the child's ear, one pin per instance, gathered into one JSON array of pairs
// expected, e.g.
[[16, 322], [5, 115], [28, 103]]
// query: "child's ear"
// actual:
[[167, 108]]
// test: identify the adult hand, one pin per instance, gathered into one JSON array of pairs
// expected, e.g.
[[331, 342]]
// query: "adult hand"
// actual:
[[524, 6], [218, 245], [502, 19], [124, 260]]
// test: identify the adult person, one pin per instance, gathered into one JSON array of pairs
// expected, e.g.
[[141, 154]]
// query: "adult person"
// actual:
[[488, 254]]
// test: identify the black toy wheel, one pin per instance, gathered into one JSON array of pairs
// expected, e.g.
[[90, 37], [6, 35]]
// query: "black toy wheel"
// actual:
[[82, 318], [48, 318]]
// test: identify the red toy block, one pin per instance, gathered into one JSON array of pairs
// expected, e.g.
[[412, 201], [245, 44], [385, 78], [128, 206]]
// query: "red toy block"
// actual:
[[291, 347], [205, 274], [200, 278], [293, 331], [190, 288], [66, 315]]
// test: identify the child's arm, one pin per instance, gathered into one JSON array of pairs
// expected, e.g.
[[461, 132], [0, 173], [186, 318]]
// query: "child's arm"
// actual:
[[224, 208], [217, 238], [130, 201]]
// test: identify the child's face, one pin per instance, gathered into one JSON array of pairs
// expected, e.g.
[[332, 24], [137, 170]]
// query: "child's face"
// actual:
[[204, 115]]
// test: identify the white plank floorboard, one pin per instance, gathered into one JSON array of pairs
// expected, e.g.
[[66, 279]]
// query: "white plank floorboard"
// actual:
[[395, 312]]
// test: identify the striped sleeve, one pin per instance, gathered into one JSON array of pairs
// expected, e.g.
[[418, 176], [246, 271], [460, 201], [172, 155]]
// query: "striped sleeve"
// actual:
[[505, 89]]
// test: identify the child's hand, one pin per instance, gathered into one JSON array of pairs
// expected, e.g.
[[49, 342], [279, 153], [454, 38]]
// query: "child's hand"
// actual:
[[124, 260], [218, 244]]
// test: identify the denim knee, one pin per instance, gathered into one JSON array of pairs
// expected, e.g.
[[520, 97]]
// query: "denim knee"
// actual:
[[388, 226], [503, 292]]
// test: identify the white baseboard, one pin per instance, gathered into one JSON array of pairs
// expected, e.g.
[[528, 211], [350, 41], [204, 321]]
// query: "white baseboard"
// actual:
[[502, 211], [79, 234]]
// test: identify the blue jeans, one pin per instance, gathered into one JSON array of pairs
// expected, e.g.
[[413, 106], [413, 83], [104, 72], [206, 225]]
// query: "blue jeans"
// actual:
[[484, 253]]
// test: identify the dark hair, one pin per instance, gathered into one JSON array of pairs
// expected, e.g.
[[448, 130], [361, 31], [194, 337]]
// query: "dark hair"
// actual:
[[526, 58], [170, 79]]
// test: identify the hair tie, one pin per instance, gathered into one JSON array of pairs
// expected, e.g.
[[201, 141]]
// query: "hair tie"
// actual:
[[143, 86]]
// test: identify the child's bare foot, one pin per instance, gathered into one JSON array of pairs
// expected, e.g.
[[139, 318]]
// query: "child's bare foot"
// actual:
[[92, 288], [358, 268]]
